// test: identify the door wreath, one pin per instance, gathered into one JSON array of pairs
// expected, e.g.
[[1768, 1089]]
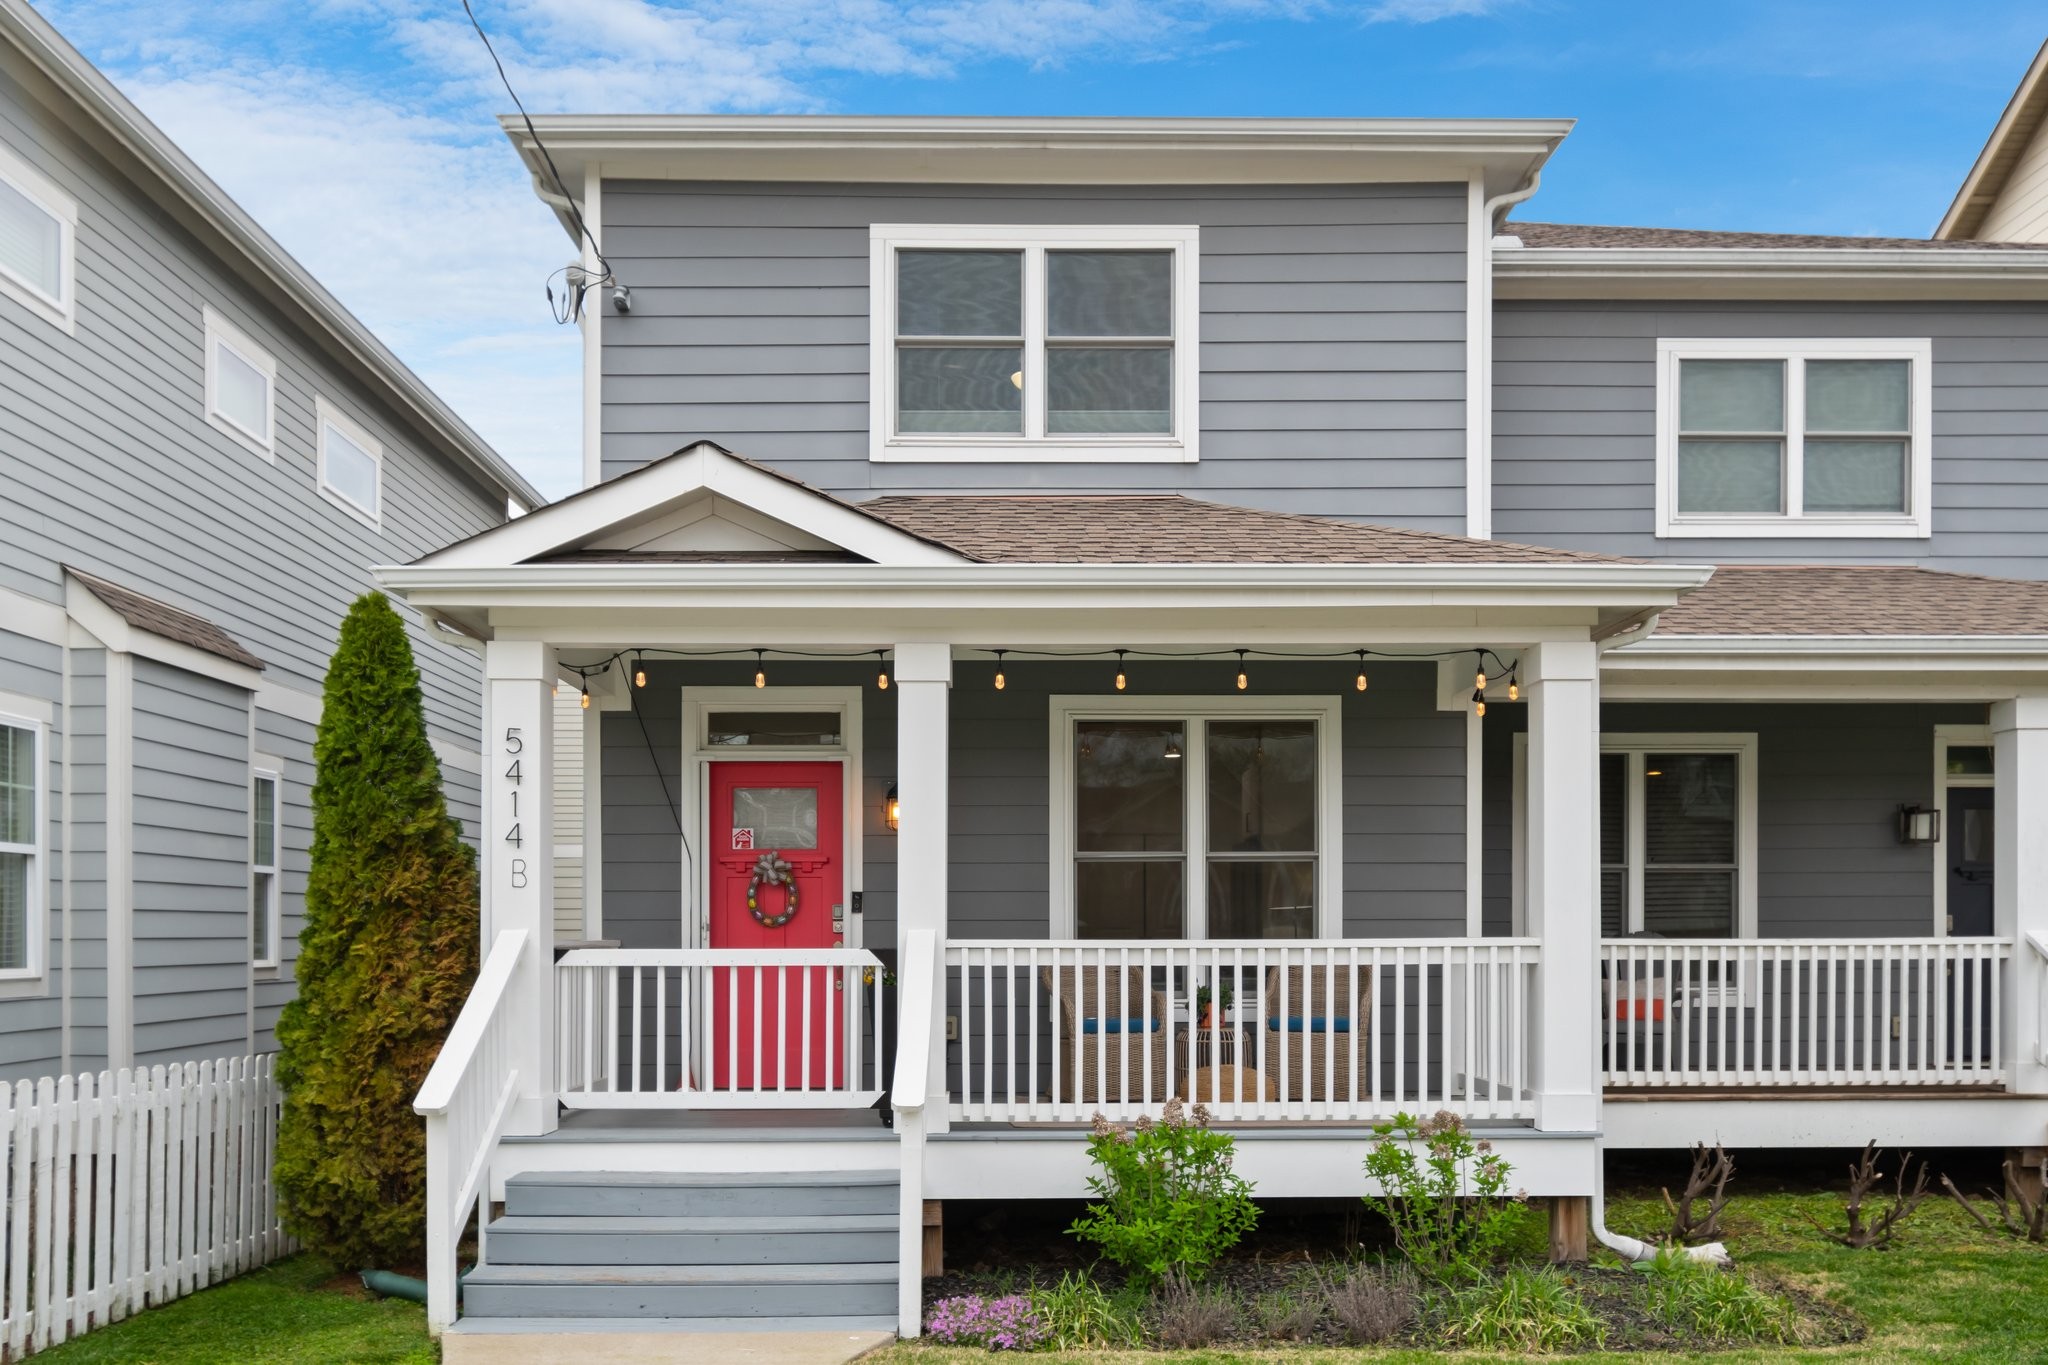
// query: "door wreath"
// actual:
[[771, 870]]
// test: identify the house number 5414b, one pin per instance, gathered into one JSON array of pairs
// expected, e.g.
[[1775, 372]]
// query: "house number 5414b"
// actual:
[[514, 748]]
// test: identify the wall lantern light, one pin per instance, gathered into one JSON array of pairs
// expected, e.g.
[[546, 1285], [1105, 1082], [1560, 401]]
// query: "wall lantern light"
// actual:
[[1918, 825], [892, 809]]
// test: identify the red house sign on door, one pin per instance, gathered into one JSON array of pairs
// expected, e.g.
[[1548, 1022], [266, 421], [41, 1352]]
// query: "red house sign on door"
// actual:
[[762, 816]]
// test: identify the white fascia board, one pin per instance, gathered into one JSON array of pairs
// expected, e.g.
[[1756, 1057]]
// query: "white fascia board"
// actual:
[[1110, 151], [191, 194], [1770, 273], [637, 497]]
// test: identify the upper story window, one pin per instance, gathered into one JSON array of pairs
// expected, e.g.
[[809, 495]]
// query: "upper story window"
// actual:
[[21, 847], [241, 386], [1048, 343], [38, 231], [1794, 438], [351, 463]]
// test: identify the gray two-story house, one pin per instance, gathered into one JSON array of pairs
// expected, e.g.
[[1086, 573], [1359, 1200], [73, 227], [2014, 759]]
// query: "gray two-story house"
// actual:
[[1073, 612], [201, 453]]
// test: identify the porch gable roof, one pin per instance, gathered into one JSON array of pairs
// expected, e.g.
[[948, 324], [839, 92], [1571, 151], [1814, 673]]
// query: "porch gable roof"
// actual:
[[1895, 601]]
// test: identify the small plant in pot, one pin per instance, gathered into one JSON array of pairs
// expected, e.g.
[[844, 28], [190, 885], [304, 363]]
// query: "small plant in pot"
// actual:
[[1211, 1004]]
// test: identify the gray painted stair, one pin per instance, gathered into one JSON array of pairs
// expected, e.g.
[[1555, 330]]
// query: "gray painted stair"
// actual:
[[796, 1248]]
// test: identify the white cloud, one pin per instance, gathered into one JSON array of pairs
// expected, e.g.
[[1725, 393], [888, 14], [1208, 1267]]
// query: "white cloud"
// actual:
[[361, 134], [1429, 11]]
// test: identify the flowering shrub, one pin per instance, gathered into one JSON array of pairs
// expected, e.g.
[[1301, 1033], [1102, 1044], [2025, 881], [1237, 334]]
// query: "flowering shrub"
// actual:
[[1009, 1323], [1171, 1204], [1447, 1202]]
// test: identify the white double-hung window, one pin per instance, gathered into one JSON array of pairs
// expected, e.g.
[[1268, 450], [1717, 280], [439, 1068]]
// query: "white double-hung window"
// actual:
[[1035, 344], [264, 913], [38, 230], [21, 847], [1814, 437]]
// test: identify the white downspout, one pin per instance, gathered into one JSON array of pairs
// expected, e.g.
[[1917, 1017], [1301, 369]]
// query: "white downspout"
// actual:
[[1628, 1248], [1479, 364]]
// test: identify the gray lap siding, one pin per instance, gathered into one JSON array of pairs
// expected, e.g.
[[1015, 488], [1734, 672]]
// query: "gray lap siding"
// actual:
[[1574, 457], [1403, 793], [1830, 780], [1332, 336]]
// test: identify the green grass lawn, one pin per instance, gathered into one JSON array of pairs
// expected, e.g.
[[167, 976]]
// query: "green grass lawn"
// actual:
[[1948, 1292], [296, 1312]]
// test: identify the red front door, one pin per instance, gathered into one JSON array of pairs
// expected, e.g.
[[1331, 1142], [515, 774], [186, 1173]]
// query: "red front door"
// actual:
[[763, 814]]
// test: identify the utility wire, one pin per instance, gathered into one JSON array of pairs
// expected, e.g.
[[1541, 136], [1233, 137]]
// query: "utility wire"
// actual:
[[575, 290]]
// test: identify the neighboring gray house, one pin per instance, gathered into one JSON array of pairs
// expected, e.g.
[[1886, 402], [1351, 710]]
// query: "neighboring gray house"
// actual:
[[200, 454]]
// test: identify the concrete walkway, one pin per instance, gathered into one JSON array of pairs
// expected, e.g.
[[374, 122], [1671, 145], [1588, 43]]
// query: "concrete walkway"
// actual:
[[659, 1348]]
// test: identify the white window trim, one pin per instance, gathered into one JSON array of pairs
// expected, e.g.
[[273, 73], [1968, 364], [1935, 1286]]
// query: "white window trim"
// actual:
[[327, 416], [35, 925], [1742, 745], [1945, 738], [62, 310], [220, 332], [697, 757], [1918, 520], [885, 445], [1326, 712], [273, 772]]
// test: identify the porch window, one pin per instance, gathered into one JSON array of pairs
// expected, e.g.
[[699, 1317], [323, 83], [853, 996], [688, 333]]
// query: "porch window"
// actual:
[[21, 826], [1033, 343], [1198, 826], [1675, 830], [1771, 438]]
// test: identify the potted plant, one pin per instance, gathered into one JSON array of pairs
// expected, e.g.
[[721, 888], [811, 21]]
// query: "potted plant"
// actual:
[[1208, 1003]]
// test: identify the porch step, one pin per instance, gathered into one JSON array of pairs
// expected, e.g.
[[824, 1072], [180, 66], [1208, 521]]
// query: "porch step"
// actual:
[[528, 1239], [792, 1292], [671, 1194], [779, 1248]]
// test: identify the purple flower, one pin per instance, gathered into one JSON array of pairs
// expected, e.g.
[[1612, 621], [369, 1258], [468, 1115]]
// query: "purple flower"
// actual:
[[1008, 1323]]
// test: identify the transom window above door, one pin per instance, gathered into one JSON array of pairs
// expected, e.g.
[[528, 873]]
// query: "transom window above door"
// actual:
[[1823, 438], [1033, 344], [1196, 821]]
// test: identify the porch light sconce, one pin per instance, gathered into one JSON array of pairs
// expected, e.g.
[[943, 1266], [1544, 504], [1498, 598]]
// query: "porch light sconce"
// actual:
[[1918, 825], [892, 809]]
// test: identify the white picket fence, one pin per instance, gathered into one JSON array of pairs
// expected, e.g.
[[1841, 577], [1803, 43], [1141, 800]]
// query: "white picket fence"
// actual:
[[127, 1189]]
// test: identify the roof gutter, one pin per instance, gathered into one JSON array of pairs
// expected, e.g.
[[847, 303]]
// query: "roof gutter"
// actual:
[[1772, 272], [62, 63]]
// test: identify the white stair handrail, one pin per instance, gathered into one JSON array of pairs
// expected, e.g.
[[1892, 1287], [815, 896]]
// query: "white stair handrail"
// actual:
[[465, 1098], [916, 977]]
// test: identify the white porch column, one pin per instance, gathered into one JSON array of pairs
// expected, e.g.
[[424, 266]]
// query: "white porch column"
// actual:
[[519, 857], [1563, 683], [924, 678], [2019, 882]]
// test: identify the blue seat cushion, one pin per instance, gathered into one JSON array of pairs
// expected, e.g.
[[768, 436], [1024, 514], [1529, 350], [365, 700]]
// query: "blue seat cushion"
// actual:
[[1090, 1024], [1316, 1025]]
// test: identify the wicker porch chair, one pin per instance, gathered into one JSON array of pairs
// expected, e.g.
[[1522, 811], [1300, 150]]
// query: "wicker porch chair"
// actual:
[[1104, 1046], [1308, 1052]]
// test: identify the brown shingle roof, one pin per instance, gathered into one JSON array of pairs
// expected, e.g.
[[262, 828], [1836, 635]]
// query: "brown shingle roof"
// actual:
[[1590, 235], [1830, 599], [161, 618], [1171, 529]]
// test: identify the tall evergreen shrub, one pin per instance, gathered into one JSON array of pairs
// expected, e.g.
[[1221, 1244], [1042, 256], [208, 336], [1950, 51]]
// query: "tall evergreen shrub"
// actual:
[[386, 959]]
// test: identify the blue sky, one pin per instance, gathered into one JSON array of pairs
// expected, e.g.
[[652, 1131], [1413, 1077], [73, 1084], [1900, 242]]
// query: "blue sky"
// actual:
[[360, 132]]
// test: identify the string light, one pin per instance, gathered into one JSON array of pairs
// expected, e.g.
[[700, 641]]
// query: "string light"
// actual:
[[1242, 681], [1121, 681], [1361, 670], [1000, 680], [882, 674], [1480, 685], [760, 669], [1514, 687], [586, 696], [1478, 703], [639, 673]]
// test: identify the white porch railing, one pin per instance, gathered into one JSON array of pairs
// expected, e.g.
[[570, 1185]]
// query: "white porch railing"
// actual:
[[703, 1028], [1348, 1030], [1803, 1012], [464, 1100]]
